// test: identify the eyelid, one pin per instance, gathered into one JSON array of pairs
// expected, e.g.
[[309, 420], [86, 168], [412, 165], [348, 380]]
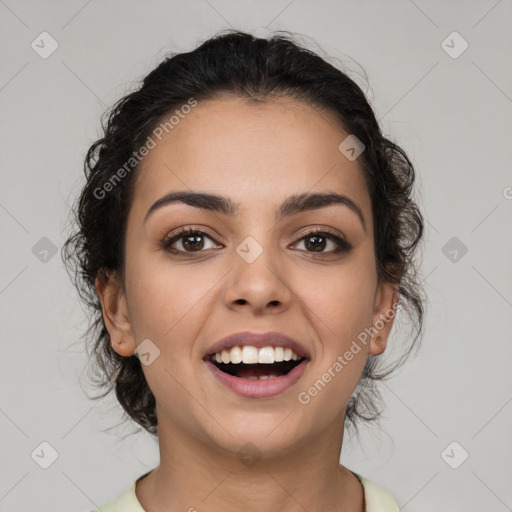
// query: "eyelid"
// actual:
[[192, 227], [335, 235], [343, 245], [174, 236], [315, 228]]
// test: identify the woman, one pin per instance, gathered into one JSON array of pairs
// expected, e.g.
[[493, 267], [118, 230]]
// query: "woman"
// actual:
[[244, 236]]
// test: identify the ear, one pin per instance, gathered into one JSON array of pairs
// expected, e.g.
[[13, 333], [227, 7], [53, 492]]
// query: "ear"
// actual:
[[115, 312], [384, 312]]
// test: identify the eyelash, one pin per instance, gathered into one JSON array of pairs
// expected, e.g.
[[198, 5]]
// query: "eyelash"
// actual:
[[342, 245]]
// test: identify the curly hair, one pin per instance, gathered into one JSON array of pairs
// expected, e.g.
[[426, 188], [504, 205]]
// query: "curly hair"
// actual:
[[256, 69]]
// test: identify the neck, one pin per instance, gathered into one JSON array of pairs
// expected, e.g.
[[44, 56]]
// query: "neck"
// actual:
[[196, 476]]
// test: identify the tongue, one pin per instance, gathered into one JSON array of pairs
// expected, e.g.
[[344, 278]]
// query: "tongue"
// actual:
[[245, 373]]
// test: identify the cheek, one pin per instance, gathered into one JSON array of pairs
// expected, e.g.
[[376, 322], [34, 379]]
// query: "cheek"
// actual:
[[342, 307], [165, 298], [343, 351], [343, 301], [169, 305]]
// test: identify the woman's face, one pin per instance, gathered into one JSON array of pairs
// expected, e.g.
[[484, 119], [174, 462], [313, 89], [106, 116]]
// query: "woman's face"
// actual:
[[260, 270]]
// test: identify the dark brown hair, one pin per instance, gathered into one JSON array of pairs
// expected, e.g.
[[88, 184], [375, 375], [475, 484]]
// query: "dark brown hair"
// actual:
[[257, 69]]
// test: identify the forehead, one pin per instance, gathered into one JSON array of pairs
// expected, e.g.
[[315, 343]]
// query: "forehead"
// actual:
[[251, 152]]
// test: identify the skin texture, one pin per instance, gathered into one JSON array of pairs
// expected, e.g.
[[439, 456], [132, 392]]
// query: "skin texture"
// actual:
[[258, 155]]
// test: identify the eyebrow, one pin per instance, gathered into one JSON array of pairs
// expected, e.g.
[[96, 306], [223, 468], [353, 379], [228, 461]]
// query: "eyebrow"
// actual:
[[292, 205]]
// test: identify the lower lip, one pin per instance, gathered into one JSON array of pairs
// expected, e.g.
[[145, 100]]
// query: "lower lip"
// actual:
[[261, 388]]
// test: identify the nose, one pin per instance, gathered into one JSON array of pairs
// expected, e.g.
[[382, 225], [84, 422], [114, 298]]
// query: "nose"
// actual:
[[258, 285]]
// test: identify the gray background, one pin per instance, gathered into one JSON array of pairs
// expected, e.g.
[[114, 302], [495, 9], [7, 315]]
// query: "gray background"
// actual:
[[451, 115]]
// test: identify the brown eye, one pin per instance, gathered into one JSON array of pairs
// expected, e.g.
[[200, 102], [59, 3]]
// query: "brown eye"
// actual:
[[187, 240], [318, 241]]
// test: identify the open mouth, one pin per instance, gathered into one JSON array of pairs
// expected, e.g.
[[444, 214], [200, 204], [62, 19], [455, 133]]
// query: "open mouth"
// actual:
[[252, 363], [253, 372], [257, 370]]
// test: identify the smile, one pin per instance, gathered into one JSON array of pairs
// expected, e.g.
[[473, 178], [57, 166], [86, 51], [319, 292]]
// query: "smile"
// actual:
[[257, 372]]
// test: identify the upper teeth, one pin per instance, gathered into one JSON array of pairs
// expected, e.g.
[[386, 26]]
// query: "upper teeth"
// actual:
[[253, 355]]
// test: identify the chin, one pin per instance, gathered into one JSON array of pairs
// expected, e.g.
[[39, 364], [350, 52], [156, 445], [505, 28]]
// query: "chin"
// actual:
[[258, 434]]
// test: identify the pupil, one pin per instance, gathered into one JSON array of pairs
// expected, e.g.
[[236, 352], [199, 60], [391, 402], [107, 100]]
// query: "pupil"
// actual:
[[191, 237], [317, 244]]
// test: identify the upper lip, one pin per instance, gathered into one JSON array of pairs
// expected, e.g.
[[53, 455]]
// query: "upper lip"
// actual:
[[267, 339]]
